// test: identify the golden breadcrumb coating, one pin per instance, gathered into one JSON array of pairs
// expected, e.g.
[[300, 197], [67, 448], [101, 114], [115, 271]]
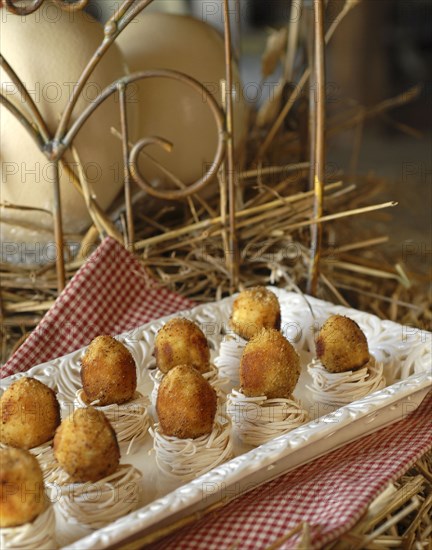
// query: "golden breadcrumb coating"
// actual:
[[30, 414], [341, 345], [21, 487], [186, 403], [181, 342], [86, 447], [269, 366], [108, 372], [254, 309]]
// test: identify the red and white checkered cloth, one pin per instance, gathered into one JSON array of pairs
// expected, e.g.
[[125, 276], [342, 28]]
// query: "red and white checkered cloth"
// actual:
[[112, 294], [331, 493]]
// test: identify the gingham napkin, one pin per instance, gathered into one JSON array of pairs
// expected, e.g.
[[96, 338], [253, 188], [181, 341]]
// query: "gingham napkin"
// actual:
[[330, 494], [111, 294]]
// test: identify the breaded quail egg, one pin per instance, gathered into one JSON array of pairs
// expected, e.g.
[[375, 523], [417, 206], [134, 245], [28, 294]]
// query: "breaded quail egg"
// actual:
[[269, 366], [86, 447], [21, 487], [186, 403], [341, 345], [30, 414], [108, 372], [254, 309], [181, 342]]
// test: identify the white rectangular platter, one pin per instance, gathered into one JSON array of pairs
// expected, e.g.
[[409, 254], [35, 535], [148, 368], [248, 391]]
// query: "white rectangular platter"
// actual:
[[405, 352]]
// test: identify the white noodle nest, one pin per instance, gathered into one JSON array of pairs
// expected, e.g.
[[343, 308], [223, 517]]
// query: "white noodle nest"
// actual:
[[47, 461], [341, 388], [40, 533], [130, 420], [99, 503], [212, 377], [228, 360], [257, 420], [186, 459]]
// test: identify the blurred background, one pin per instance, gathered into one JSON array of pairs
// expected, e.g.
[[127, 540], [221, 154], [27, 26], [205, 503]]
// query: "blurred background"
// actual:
[[379, 139], [381, 50]]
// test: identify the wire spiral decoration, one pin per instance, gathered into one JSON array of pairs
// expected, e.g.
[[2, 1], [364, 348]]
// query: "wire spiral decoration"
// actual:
[[55, 146], [34, 5]]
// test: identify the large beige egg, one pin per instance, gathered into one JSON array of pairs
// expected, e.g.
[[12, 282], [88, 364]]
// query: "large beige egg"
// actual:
[[49, 50], [172, 110]]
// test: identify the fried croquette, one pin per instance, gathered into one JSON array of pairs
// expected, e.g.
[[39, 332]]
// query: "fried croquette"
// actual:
[[269, 366], [181, 342], [86, 446], [341, 345], [108, 372], [21, 487], [30, 414], [186, 403], [254, 309]]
